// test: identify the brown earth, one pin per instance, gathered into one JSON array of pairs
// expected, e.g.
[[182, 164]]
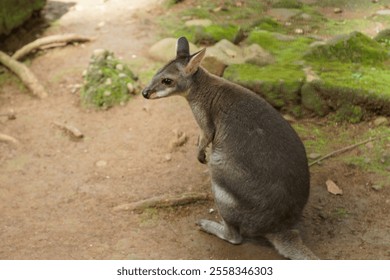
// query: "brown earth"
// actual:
[[57, 202]]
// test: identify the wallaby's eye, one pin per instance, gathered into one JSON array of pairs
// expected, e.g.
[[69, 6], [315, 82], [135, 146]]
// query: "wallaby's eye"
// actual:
[[167, 81]]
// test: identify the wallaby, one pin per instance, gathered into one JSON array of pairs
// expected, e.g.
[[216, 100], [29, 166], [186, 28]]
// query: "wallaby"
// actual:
[[258, 165]]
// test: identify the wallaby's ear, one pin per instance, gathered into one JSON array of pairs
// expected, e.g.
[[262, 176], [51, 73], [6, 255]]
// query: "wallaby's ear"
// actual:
[[182, 48], [194, 62]]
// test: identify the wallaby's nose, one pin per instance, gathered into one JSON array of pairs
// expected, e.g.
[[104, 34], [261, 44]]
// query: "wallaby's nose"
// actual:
[[146, 92]]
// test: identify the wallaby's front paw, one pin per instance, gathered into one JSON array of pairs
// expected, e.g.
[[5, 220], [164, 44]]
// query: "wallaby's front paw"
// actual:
[[202, 157]]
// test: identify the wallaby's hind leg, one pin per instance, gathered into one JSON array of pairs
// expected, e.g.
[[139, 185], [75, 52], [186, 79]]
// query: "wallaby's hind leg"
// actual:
[[221, 230], [289, 244]]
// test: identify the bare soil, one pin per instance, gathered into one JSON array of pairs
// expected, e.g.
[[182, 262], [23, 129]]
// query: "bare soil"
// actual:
[[58, 203]]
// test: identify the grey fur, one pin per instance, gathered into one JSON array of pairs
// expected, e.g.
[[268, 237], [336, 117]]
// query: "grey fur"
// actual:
[[258, 164]]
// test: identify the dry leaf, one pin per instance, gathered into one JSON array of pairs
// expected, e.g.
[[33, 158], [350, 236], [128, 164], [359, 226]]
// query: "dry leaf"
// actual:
[[333, 188]]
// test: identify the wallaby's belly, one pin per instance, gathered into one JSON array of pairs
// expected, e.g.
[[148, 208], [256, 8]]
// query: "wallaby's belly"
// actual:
[[259, 174]]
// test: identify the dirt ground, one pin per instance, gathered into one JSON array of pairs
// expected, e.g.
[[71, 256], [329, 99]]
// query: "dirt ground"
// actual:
[[58, 194]]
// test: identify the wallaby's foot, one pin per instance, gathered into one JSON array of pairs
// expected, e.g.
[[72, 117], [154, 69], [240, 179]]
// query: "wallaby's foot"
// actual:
[[223, 231], [289, 244]]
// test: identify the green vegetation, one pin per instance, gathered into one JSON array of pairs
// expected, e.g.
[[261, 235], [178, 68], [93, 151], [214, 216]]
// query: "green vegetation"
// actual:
[[351, 48], [208, 34], [279, 84], [375, 157], [107, 82]]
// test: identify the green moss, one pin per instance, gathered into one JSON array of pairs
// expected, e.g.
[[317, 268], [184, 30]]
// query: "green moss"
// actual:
[[106, 82], [208, 34], [288, 4], [375, 158], [313, 101], [15, 13], [352, 48], [366, 81], [350, 113], [279, 84], [269, 24], [334, 27], [286, 49], [314, 138]]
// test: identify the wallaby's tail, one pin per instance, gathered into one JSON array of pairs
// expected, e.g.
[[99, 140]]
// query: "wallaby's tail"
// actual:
[[290, 245]]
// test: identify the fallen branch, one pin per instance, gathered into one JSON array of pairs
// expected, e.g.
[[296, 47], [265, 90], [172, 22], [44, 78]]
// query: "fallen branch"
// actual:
[[163, 202], [70, 129], [342, 150], [24, 74], [49, 40], [8, 139]]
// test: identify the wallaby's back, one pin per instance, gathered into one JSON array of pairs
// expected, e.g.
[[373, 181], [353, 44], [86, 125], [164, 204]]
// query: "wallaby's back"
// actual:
[[258, 165], [256, 156]]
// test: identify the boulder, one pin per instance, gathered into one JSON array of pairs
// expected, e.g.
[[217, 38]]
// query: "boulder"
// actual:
[[165, 49], [350, 48], [228, 53]]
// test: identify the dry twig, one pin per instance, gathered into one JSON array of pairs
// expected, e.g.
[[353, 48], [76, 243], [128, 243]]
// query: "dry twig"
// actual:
[[72, 130], [342, 150]]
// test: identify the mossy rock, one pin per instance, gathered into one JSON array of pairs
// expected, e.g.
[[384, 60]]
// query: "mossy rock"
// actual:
[[383, 37], [312, 100], [349, 113], [288, 4], [107, 81], [279, 85], [286, 49], [351, 48], [208, 34], [15, 13]]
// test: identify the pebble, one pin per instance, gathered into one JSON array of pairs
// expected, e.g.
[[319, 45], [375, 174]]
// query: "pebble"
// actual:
[[130, 88], [313, 155], [299, 31], [211, 210], [376, 187], [337, 10], [107, 93], [168, 157], [108, 82], [119, 67], [101, 163], [381, 121]]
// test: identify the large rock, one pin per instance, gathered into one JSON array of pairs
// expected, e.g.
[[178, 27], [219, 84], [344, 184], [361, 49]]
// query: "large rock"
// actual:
[[15, 13], [165, 49], [228, 53], [354, 47]]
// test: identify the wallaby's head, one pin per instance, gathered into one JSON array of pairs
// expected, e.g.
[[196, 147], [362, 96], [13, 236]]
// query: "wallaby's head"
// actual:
[[175, 77]]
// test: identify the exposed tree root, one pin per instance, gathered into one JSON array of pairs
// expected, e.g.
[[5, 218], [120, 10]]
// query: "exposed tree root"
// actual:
[[55, 40], [8, 139], [24, 74], [163, 202]]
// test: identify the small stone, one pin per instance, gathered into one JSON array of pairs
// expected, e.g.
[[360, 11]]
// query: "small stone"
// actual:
[[84, 73], [383, 12], [168, 157], [377, 187], [299, 31], [108, 82], [381, 121], [101, 24], [198, 22], [130, 88], [337, 10], [101, 163], [99, 52], [314, 156], [107, 93], [122, 75], [119, 67], [211, 210], [369, 145]]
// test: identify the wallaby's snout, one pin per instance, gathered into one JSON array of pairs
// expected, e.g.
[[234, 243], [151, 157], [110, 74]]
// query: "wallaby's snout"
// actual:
[[146, 92]]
